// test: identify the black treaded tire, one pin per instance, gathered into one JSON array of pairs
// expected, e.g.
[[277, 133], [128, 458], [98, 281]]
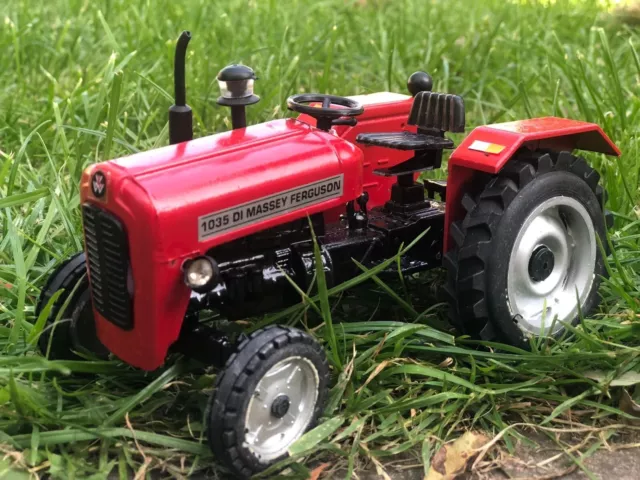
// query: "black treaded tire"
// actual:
[[478, 262], [235, 386], [78, 332]]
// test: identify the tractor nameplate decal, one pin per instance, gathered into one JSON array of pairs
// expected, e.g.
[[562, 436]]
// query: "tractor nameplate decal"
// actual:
[[486, 147], [267, 207]]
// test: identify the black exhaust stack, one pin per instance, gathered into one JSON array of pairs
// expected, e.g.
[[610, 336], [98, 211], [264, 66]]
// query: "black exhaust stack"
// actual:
[[180, 115]]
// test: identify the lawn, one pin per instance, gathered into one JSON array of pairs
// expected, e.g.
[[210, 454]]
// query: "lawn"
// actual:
[[85, 81]]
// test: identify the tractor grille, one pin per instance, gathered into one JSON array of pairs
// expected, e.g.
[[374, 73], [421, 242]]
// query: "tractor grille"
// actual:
[[108, 256]]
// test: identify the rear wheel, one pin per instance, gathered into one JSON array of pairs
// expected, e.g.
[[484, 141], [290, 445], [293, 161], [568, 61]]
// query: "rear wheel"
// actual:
[[271, 391], [76, 330], [526, 257]]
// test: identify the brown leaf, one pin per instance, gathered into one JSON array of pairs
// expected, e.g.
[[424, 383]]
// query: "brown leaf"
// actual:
[[438, 462], [316, 472], [453, 459]]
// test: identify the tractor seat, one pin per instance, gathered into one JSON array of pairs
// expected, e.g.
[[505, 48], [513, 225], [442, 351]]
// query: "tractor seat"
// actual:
[[433, 113], [405, 141]]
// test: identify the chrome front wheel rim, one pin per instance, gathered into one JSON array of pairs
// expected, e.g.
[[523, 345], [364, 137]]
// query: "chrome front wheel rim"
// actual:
[[281, 407], [551, 265]]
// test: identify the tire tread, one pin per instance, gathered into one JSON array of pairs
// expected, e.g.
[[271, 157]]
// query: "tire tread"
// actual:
[[466, 262], [231, 386]]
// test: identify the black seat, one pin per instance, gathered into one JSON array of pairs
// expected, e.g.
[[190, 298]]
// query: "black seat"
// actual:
[[405, 141], [433, 114]]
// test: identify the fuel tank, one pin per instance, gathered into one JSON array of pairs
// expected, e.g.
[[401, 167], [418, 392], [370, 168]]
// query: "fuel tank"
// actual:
[[179, 201]]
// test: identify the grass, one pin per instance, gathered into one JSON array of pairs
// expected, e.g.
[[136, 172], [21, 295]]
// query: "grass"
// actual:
[[86, 81]]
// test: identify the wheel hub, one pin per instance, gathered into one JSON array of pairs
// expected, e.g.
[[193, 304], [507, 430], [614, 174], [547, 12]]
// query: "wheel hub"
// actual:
[[551, 265], [541, 263], [280, 406]]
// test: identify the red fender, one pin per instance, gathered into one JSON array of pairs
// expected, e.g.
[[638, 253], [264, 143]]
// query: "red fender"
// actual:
[[488, 148]]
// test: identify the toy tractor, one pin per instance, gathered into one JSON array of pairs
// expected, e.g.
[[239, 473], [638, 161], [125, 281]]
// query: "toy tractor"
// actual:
[[226, 223]]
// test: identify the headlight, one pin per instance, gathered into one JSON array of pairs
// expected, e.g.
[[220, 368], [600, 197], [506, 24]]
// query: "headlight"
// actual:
[[201, 273], [236, 88]]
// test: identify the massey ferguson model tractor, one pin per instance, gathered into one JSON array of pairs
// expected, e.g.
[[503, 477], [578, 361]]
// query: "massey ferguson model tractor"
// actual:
[[226, 224]]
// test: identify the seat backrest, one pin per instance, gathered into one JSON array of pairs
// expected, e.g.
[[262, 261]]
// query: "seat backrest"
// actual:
[[438, 111]]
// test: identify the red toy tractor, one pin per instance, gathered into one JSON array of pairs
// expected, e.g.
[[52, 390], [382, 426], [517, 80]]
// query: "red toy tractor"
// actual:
[[225, 222]]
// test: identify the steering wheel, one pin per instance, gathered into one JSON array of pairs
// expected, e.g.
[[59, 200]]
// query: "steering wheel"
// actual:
[[324, 115]]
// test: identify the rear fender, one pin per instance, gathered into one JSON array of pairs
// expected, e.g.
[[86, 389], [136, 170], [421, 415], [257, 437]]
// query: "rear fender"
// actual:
[[488, 148]]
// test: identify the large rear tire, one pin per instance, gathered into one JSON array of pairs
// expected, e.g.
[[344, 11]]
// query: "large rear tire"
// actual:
[[526, 257]]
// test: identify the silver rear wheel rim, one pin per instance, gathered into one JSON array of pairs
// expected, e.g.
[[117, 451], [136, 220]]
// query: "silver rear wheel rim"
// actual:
[[564, 226], [266, 435]]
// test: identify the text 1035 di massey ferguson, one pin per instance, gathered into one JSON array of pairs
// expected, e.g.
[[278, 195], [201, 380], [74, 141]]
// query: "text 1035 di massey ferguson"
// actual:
[[219, 223]]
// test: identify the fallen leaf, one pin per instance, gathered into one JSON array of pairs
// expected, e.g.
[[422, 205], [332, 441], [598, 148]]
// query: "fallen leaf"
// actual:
[[316, 472], [454, 459], [625, 380]]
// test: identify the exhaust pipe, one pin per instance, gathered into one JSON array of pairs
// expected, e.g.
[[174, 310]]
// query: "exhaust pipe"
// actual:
[[180, 114]]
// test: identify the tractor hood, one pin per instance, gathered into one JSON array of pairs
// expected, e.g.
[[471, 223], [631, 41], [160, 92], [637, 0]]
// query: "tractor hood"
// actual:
[[195, 195]]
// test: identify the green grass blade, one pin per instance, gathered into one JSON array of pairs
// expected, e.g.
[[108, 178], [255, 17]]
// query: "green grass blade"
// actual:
[[19, 199], [153, 387], [113, 113]]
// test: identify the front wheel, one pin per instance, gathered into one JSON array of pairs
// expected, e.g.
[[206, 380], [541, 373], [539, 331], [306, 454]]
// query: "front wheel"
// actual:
[[76, 329], [271, 391], [526, 258]]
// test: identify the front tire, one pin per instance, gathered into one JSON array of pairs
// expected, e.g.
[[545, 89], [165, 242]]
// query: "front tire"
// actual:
[[526, 257], [76, 330], [271, 391]]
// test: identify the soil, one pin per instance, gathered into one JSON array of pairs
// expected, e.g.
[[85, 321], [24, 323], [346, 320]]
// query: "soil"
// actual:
[[619, 461]]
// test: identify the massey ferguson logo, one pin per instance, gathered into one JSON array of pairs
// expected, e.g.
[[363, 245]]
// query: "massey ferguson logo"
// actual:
[[98, 184]]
